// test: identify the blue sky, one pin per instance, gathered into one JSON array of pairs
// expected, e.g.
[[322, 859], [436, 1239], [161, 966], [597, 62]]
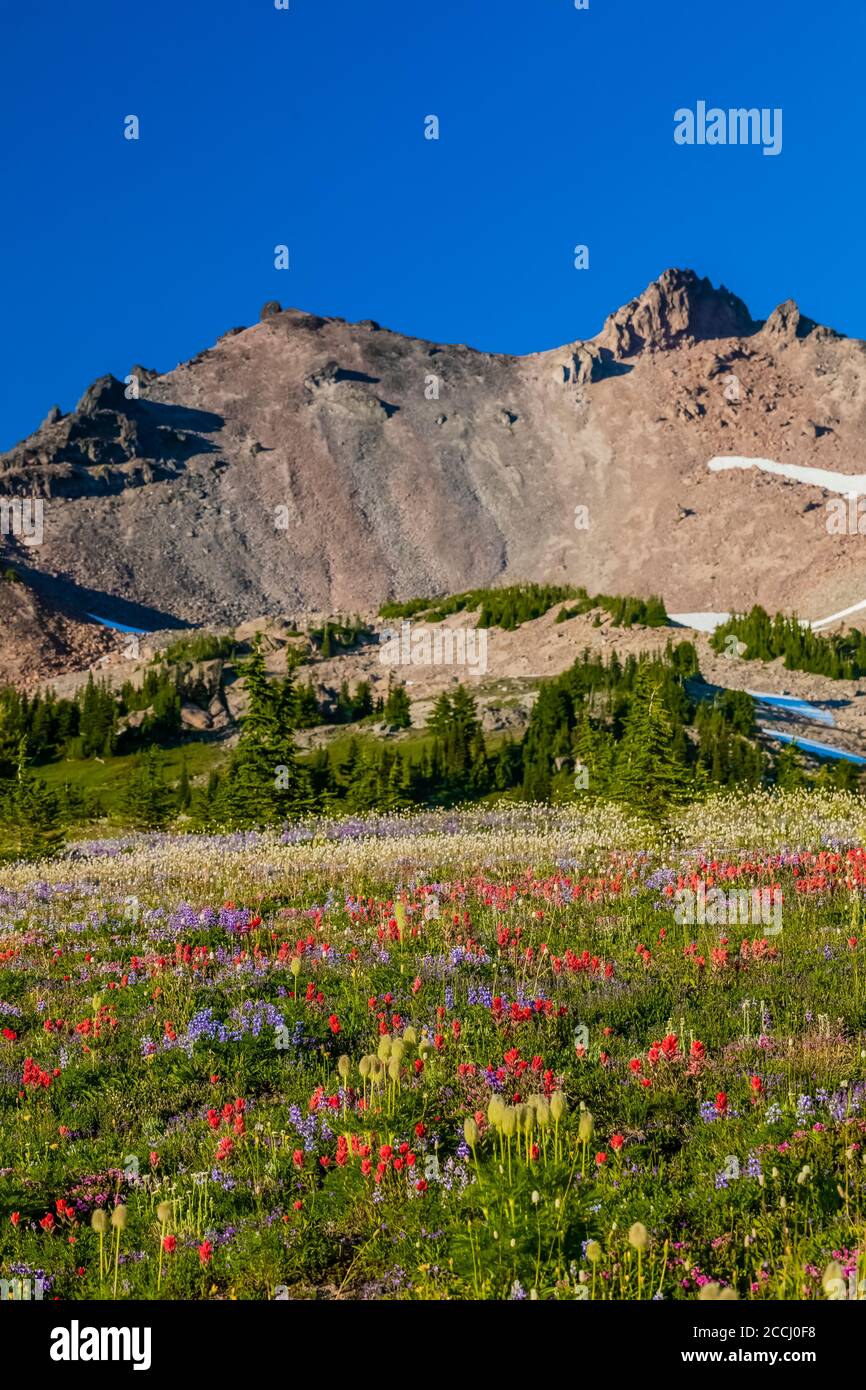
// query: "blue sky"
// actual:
[[305, 127]]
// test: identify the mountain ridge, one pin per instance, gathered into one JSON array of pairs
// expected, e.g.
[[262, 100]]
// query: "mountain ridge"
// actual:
[[310, 463]]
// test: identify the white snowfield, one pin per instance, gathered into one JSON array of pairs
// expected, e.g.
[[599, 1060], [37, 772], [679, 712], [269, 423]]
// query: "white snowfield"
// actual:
[[701, 622], [708, 622], [846, 483], [843, 613]]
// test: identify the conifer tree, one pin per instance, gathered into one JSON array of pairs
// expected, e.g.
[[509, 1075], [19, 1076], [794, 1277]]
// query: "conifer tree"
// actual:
[[343, 705], [439, 719], [362, 703], [305, 712], [650, 772], [348, 770], [322, 780], [508, 765], [31, 817], [264, 783], [790, 772], [479, 767], [204, 802], [148, 802], [397, 709], [364, 791], [184, 791], [97, 721], [594, 750]]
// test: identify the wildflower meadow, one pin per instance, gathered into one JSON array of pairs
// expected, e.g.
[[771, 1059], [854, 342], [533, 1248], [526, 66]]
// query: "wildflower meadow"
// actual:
[[507, 1054]]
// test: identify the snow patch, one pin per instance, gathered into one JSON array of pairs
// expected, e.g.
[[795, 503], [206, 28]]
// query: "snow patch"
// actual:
[[701, 622], [846, 483]]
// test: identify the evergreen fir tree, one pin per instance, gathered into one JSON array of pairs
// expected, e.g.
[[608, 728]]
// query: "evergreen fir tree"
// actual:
[[362, 703], [31, 816], [148, 802], [264, 783], [72, 803], [98, 720], [322, 780], [650, 772], [397, 709], [439, 719], [306, 713], [364, 792], [203, 804], [593, 749], [479, 768], [348, 770], [344, 711], [790, 772], [184, 792], [508, 765]]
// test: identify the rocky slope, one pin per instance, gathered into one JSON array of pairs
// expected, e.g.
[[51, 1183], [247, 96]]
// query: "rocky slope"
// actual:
[[39, 641], [308, 463]]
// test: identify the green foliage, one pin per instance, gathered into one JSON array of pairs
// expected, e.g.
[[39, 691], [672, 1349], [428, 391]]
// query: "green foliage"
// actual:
[[638, 730], [652, 771], [201, 646], [29, 815], [790, 772], [341, 635], [459, 758], [157, 694], [766, 639], [625, 611], [619, 730], [398, 712], [149, 803], [374, 777], [410, 609], [45, 723], [97, 723], [520, 603], [306, 711], [264, 783]]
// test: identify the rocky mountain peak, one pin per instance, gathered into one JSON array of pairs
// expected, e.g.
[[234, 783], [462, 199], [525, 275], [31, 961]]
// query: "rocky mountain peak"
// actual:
[[680, 307], [787, 323]]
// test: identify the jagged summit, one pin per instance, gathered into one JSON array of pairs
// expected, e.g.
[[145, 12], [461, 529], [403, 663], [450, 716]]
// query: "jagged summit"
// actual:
[[679, 307]]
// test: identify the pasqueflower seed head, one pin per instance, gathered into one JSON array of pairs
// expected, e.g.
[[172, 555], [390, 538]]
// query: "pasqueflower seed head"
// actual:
[[638, 1236]]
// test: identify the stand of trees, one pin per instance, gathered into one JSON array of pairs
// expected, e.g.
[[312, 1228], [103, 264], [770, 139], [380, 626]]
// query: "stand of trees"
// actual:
[[514, 604], [633, 731], [307, 711], [30, 819], [765, 638]]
